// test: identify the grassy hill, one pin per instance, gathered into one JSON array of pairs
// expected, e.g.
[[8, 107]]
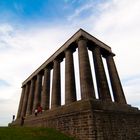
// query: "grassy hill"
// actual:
[[24, 133]]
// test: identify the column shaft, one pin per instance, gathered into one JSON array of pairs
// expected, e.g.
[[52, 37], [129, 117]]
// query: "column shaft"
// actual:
[[115, 81], [45, 96], [70, 89], [31, 97], [21, 102], [102, 85], [37, 96], [25, 101], [86, 81], [56, 85]]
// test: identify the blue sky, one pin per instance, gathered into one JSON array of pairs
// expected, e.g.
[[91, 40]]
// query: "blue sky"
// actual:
[[38, 10], [32, 30], [45, 11]]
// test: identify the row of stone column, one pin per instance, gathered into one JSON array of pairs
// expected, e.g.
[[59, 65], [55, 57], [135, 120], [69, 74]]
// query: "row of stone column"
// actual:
[[34, 93]]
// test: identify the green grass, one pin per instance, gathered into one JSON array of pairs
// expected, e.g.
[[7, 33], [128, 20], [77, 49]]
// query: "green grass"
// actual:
[[25, 133]]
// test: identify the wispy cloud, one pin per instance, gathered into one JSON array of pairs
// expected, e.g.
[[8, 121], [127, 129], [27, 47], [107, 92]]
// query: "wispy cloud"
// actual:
[[24, 52], [24, 48], [4, 83], [78, 12], [7, 109]]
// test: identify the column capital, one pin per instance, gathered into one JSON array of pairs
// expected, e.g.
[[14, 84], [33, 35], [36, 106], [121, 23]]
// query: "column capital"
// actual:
[[96, 47], [39, 74], [81, 38], [68, 49], [108, 54], [22, 86], [57, 59], [72, 47], [47, 68]]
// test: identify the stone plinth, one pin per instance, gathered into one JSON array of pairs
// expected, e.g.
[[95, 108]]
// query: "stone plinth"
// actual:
[[91, 119]]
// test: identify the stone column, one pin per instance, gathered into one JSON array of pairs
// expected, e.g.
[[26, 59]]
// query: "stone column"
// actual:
[[56, 85], [25, 101], [21, 102], [115, 81], [86, 81], [38, 89], [45, 96], [70, 89], [31, 97], [102, 85]]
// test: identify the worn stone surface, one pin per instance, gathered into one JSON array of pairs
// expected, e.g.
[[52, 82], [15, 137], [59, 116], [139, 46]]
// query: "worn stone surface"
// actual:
[[102, 85], [115, 81], [31, 98], [86, 81], [91, 120], [45, 96], [25, 100], [70, 87], [38, 89], [21, 102], [56, 85]]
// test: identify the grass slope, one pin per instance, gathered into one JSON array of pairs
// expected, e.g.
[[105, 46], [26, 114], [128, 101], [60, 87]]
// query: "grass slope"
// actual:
[[24, 133]]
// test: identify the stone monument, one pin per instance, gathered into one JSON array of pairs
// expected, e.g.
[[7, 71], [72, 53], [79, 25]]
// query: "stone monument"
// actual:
[[86, 119]]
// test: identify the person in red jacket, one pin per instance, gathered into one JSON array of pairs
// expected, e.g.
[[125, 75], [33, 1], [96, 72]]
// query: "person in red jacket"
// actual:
[[39, 109]]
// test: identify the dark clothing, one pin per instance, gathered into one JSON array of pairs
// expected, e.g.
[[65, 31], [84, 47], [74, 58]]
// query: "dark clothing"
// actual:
[[13, 117]]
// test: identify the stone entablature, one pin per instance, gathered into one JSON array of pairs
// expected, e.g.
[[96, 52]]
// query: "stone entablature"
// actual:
[[66, 45]]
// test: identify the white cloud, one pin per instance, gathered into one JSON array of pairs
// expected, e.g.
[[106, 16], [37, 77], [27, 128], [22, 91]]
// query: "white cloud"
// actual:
[[118, 26], [132, 89], [23, 50], [78, 11], [116, 23]]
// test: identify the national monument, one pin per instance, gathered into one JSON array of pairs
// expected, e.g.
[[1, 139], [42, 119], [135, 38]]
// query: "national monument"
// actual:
[[86, 119]]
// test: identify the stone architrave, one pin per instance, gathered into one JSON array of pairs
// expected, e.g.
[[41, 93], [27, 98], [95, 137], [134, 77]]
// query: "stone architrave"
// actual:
[[86, 81]]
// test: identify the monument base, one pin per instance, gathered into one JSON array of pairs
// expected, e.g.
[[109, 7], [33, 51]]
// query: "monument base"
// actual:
[[90, 120]]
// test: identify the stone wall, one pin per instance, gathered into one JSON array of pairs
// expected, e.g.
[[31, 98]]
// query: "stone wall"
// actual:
[[116, 125], [91, 120]]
